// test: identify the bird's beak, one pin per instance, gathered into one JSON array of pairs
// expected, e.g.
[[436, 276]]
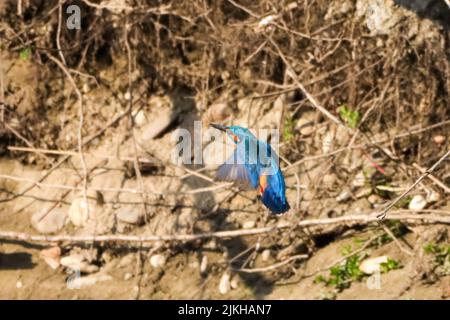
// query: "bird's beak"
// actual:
[[219, 127]]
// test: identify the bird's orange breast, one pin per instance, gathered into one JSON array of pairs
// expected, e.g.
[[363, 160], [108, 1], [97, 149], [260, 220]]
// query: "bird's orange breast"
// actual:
[[262, 183]]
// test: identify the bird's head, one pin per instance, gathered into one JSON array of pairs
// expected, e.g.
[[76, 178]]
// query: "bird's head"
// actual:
[[236, 133]]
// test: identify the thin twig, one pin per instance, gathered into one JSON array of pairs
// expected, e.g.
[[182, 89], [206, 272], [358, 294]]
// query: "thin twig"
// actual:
[[383, 213], [274, 266]]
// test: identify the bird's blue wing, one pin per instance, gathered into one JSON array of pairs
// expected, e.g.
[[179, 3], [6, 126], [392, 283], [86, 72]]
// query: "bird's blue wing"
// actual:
[[238, 168]]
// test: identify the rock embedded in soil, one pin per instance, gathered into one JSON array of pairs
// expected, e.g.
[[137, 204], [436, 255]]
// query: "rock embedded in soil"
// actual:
[[90, 280], [82, 211], [157, 261], [344, 196], [417, 203], [131, 216], [127, 276], [373, 265], [50, 222], [204, 264], [224, 284], [249, 224], [265, 255], [77, 262], [51, 256]]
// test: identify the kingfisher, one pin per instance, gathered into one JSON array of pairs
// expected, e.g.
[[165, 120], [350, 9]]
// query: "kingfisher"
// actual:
[[255, 164]]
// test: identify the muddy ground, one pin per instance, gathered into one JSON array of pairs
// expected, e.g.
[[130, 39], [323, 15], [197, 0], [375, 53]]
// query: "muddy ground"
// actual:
[[359, 92]]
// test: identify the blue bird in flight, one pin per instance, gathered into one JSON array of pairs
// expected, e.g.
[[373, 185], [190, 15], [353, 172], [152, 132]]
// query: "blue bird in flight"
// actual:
[[254, 163]]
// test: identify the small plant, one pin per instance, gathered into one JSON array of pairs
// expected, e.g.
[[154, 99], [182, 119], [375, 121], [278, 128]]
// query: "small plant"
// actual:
[[351, 117], [341, 276], [391, 264], [441, 257], [25, 53], [288, 132]]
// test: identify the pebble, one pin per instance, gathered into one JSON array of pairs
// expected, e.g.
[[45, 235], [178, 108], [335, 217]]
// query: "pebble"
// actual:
[[140, 118], [51, 256], [344, 196], [433, 196], [204, 264], [363, 193], [224, 284], [265, 255], [90, 280], [52, 222], [249, 224], [327, 142], [439, 139], [77, 262], [417, 203], [78, 212], [359, 180], [373, 265], [130, 216], [234, 284], [127, 276], [157, 261]]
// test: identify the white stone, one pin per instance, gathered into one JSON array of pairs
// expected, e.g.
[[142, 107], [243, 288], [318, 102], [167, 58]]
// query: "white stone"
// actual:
[[373, 265], [79, 213], [265, 255], [249, 224], [417, 203], [80, 282], [157, 261], [224, 284], [131, 216], [204, 264]]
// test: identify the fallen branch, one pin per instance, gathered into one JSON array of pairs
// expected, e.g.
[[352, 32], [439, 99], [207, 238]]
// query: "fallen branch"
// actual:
[[356, 219]]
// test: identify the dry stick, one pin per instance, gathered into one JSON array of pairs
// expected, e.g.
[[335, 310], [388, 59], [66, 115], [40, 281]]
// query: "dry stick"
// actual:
[[27, 142], [313, 101], [397, 242], [274, 266], [382, 214], [355, 219], [438, 182], [58, 33], [130, 115], [73, 153], [107, 189], [80, 127]]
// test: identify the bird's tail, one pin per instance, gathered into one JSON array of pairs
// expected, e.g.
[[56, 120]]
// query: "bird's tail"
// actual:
[[274, 202]]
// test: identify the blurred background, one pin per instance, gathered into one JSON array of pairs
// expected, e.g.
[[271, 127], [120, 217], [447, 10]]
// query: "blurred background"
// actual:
[[93, 92]]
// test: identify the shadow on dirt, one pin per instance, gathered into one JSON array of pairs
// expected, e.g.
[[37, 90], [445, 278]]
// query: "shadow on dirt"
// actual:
[[16, 260]]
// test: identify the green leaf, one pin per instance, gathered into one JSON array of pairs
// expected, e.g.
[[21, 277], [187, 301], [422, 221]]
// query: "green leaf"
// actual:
[[351, 117], [389, 265], [288, 132], [25, 54]]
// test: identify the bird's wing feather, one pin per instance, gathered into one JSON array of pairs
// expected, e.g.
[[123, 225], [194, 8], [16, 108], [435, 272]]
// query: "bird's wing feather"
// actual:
[[237, 169]]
